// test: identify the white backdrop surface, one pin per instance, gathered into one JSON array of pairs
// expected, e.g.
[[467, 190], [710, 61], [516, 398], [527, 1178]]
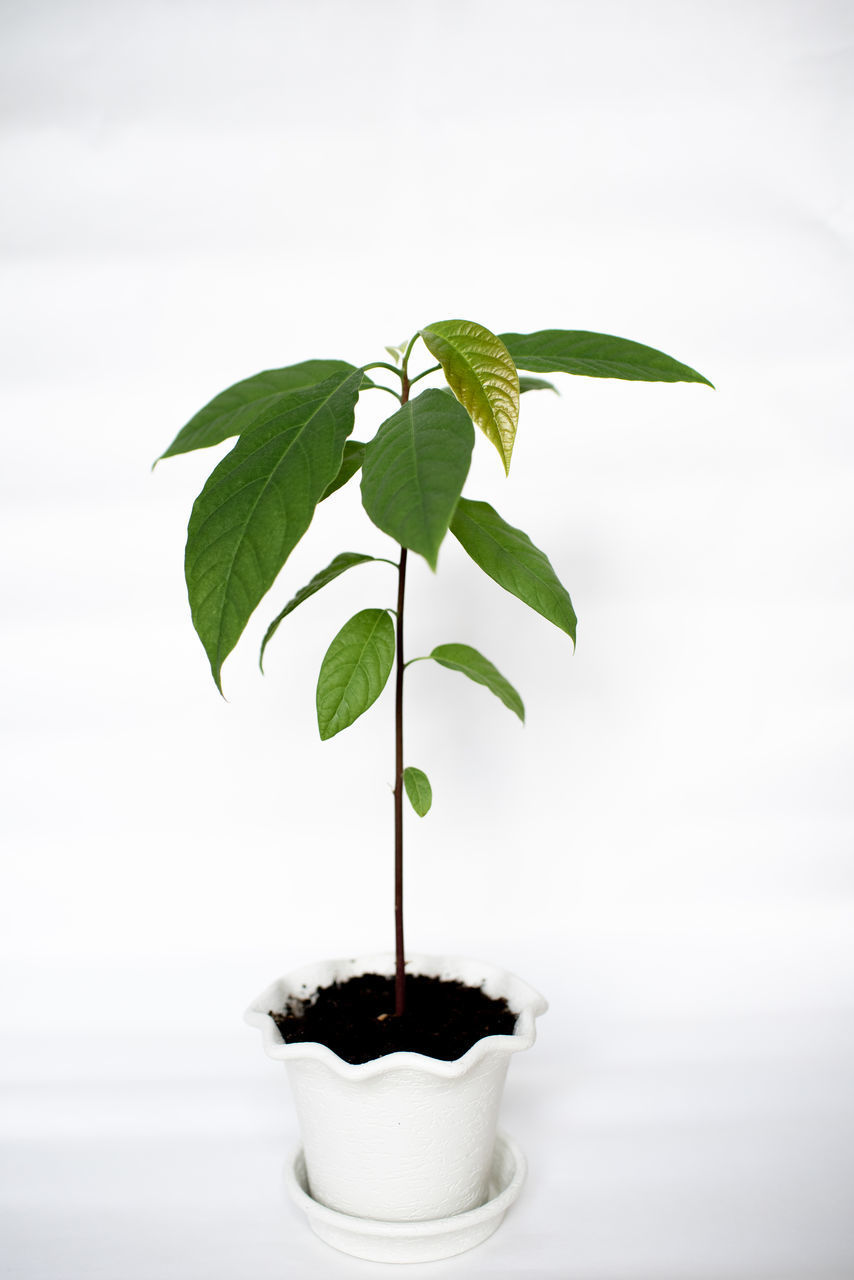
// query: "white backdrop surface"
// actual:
[[195, 192]]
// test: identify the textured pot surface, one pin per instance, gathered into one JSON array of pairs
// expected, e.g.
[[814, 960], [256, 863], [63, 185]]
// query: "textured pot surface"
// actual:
[[421, 1241], [404, 1137]]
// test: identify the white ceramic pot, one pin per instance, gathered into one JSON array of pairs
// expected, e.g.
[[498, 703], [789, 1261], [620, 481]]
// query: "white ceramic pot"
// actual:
[[405, 1137]]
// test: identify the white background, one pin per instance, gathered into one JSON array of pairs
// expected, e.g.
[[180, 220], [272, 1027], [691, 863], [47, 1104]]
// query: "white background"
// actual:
[[195, 192]]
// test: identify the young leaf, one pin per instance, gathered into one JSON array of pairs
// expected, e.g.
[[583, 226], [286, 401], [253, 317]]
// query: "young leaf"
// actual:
[[595, 355], [536, 384], [354, 453], [414, 471], [236, 408], [346, 560], [482, 376], [462, 657], [256, 505], [509, 557], [418, 789], [354, 671]]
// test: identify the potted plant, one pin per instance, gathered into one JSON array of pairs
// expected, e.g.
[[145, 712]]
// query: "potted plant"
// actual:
[[397, 1061]]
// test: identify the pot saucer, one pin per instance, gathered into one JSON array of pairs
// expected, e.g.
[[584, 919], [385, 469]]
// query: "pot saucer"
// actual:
[[423, 1241]]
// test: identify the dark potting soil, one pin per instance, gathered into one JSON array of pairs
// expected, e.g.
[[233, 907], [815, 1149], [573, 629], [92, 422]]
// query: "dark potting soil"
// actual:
[[356, 1018]]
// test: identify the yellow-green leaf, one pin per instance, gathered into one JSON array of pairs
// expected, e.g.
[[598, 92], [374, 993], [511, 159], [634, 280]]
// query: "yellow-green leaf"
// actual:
[[481, 373]]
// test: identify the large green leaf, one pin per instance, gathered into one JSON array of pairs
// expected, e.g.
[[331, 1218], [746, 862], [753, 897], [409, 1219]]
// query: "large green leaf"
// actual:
[[414, 471], [256, 505], [354, 671], [482, 375], [418, 789], [236, 408], [354, 453], [510, 558], [595, 355], [346, 560], [462, 657]]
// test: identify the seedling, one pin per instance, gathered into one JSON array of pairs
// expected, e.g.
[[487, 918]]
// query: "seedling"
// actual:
[[294, 451]]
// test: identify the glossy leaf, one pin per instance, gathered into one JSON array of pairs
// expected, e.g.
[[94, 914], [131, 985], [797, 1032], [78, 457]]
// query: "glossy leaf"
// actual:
[[418, 789], [595, 355], [482, 375], [510, 558], [414, 471], [354, 671], [462, 657], [354, 453], [239, 406], [346, 560], [536, 384], [258, 502]]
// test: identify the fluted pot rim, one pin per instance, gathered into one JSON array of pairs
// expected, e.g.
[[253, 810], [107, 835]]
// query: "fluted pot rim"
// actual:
[[523, 999]]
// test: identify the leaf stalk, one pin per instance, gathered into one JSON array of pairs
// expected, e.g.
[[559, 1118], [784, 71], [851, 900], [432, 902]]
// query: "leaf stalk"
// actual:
[[434, 368]]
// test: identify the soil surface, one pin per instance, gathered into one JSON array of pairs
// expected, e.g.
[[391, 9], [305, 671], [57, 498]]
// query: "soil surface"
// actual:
[[356, 1019]]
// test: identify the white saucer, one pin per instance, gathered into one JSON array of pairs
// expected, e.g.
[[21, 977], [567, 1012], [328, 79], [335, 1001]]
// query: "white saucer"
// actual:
[[425, 1241]]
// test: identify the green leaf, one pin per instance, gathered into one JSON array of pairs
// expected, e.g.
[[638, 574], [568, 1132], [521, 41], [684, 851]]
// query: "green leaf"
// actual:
[[418, 789], [354, 453], [236, 408], [536, 384], [482, 376], [510, 558], [354, 671], [595, 355], [462, 657], [256, 505], [414, 471], [346, 560]]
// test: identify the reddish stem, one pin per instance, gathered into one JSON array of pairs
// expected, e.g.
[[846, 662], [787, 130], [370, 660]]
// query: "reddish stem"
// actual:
[[399, 953]]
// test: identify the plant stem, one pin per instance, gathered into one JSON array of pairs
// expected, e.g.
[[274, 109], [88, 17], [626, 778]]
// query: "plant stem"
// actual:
[[399, 953]]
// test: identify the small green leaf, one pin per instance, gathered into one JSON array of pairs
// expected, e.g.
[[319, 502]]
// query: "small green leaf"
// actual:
[[482, 376], [536, 384], [354, 671], [346, 560], [418, 789], [414, 471], [240, 405], [462, 657], [510, 558], [354, 453], [595, 355], [256, 505]]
